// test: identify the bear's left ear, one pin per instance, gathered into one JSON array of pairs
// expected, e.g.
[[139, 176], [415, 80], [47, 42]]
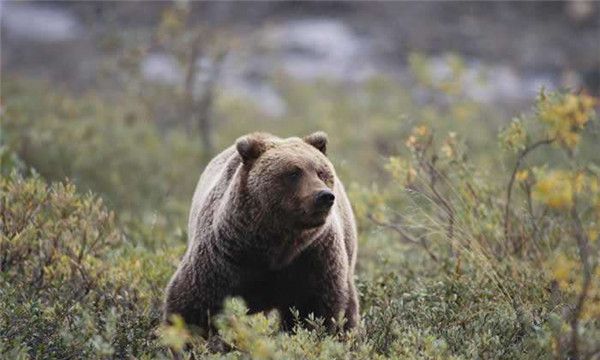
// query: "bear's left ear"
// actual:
[[250, 147], [318, 140]]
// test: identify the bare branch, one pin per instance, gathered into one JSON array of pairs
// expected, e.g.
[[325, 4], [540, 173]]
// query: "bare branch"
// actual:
[[434, 175], [511, 182], [404, 236], [584, 252]]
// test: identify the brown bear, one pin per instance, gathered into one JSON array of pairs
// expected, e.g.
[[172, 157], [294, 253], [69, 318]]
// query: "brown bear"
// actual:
[[270, 222]]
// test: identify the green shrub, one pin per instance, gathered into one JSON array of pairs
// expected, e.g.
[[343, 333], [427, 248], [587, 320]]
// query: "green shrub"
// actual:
[[528, 238], [114, 149], [467, 250], [70, 284]]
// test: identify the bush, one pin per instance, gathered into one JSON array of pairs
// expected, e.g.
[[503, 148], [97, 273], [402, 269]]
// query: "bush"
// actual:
[[542, 226], [70, 284], [113, 149], [467, 250]]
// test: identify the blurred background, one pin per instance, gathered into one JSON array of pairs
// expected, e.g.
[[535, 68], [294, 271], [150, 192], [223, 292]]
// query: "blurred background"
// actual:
[[193, 76], [519, 46], [125, 98]]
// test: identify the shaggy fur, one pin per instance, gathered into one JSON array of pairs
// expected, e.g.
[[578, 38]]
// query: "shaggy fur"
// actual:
[[256, 231]]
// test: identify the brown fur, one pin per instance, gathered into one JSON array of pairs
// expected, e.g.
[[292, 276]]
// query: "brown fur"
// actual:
[[254, 232]]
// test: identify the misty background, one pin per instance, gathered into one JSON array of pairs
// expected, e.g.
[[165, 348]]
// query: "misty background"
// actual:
[[511, 49]]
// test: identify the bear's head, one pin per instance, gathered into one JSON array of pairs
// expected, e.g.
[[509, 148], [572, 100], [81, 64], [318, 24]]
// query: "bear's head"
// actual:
[[291, 180]]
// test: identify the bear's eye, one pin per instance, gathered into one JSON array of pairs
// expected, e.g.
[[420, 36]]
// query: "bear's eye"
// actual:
[[323, 175], [294, 174], [326, 177]]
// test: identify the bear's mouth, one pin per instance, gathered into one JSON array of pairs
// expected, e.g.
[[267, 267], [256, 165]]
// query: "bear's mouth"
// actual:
[[320, 213], [313, 223], [314, 219]]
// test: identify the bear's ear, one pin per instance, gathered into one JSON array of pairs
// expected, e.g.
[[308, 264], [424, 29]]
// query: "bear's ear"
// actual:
[[250, 147], [318, 140]]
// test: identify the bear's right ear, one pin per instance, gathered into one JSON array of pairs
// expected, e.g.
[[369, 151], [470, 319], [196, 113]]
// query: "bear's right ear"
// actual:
[[318, 140], [250, 147]]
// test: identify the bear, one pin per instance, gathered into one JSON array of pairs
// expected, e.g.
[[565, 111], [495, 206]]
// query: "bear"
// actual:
[[270, 222]]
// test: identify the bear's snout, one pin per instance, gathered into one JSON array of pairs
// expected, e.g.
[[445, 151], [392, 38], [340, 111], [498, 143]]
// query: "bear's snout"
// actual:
[[324, 199]]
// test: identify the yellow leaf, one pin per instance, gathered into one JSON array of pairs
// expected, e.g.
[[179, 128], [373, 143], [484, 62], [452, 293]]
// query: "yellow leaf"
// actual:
[[555, 190], [522, 175]]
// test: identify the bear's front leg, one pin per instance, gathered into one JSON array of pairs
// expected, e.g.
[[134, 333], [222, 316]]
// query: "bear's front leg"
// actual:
[[193, 308], [352, 309], [331, 307], [322, 286], [329, 303], [196, 296]]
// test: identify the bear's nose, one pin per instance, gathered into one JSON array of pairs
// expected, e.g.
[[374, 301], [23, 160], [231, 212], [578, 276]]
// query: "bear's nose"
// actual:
[[324, 199]]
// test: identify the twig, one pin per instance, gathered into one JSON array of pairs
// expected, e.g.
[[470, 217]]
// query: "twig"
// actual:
[[404, 236], [511, 182], [584, 252], [434, 174]]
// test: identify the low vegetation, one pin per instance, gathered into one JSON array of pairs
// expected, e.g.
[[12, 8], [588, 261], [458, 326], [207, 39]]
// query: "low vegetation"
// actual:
[[478, 238]]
